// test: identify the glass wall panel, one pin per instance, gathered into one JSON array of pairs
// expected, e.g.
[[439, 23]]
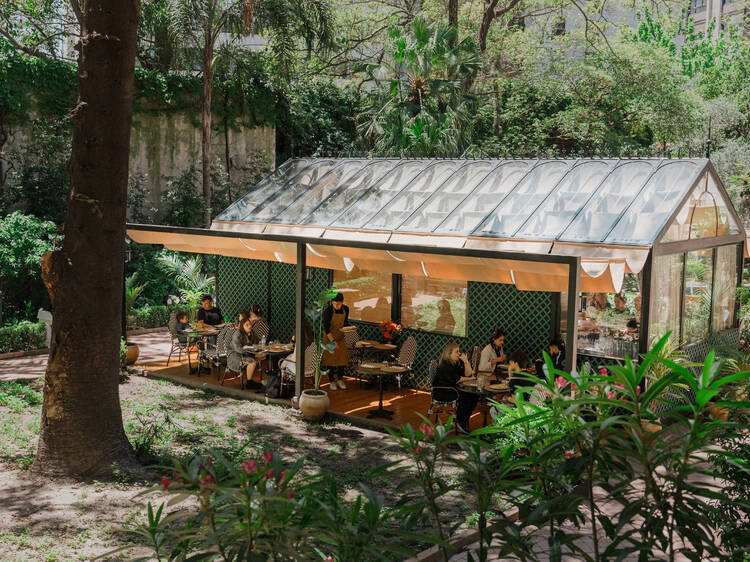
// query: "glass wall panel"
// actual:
[[451, 194], [598, 216], [725, 288], [408, 200], [294, 188], [653, 206], [435, 305], [359, 211], [366, 293], [525, 197], [240, 210], [347, 174], [475, 208], [666, 297], [698, 283], [726, 224], [387, 172], [561, 206]]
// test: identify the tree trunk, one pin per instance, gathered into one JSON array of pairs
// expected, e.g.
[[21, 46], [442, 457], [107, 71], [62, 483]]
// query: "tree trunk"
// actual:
[[453, 13], [495, 110], [81, 432], [208, 81]]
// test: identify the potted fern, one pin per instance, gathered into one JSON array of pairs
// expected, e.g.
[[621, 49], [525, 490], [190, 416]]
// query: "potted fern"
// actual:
[[314, 402], [132, 292]]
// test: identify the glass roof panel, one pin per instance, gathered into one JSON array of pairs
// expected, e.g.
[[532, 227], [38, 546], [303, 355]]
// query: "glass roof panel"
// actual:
[[292, 189], [448, 197], [241, 208], [525, 197], [652, 207], [380, 194], [571, 194], [413, 195], [703, 214], [339, 200], [485, 197], [601, 212], [341, 177]]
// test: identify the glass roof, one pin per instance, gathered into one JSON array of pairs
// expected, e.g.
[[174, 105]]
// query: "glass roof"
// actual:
[[607, 201]]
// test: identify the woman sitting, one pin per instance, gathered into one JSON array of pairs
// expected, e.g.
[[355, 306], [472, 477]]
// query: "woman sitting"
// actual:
[[518, 362], [235, 361], [289, 363], [492, 354], [454, 365], [260, 328]]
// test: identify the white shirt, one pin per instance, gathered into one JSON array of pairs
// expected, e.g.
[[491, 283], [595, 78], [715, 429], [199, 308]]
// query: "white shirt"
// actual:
[[488, 354]]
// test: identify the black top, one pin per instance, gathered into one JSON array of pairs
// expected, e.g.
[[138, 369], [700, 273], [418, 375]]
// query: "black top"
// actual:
[[328, 316], [448, 374], [259, 330], [211, 317], [558, 360]]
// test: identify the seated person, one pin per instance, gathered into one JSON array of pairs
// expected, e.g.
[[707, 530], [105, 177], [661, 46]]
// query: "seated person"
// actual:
[[242, 315], [620, 303], [235, 356], [492, 354], [208, 314], [517, 362], [632, 325], [260, 325], [454, 365], [182, 325], [557, 353], [289, 363]]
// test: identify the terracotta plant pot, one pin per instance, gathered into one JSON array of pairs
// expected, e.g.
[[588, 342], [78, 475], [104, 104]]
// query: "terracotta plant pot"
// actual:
[[132, 354], [314, 404], [718, 412]]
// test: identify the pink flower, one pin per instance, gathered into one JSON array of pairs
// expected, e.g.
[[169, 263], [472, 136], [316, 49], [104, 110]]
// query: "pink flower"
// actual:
[[282, 477], [268, 473], [165, 482], [251, 467], [207, 481], [611, 395], [417, 450], [603, 372], [573, 386], [290, 495], [637, 390], [267, 457], [560, 382], [569, 454], [330, 559], [427, 429]]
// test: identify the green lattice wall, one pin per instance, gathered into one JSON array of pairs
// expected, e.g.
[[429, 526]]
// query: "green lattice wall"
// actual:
[[524, 315]]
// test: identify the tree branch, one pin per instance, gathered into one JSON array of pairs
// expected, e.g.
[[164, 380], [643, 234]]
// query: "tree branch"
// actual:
[[77, 10], [21, 47]]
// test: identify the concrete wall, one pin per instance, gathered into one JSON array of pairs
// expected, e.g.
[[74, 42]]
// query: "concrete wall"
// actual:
[[164, 144]]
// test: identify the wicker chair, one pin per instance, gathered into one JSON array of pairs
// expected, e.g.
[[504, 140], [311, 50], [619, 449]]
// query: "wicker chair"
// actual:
[[219, 356], [476, 355], [177, 345], [288, 378], [406, 356], [355, 354], [438, 407]]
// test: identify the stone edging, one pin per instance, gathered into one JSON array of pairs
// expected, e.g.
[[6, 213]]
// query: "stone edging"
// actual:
[[146, 330], [14, 354]]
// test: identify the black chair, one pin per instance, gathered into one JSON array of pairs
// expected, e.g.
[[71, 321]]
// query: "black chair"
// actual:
[[438, 407], [177, 345]]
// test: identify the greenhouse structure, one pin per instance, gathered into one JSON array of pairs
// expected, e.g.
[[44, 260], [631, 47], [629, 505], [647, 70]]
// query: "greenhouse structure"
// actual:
[[608, 254]]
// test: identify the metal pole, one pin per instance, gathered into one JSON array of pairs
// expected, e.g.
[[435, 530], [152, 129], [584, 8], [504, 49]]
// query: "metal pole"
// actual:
[[645, 319], [572, 327], [299, 318]]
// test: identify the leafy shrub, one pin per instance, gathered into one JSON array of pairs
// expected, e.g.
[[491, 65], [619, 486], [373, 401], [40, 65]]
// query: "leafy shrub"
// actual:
[[183, 200], [123, 353], [150, 316], [18, 395], [23, 336]]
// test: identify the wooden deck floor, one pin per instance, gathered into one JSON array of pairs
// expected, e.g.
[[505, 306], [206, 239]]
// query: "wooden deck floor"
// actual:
[[406, 403]]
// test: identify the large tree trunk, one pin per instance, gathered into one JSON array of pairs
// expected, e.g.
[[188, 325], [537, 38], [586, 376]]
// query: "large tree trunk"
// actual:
[[453, 13], [81, 432], [208, 84]]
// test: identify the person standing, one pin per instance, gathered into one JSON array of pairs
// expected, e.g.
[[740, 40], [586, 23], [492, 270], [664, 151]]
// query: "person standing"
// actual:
[[335, 317]]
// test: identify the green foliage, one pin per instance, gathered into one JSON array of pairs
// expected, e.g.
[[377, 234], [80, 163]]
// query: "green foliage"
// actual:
[[123, 353], [314, 315], [23, 336], [421, 106], [190, 279], [132, 292], [150, 316], [18, 395], [145, 262], [183, 202]]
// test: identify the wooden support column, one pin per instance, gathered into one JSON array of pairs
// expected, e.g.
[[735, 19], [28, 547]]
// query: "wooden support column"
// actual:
[[645, 319], [299, 318], [571, 342]]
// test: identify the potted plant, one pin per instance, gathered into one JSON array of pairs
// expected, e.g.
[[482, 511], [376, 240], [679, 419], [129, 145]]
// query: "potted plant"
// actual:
[[132, 292], [389, 330], [314, 402]]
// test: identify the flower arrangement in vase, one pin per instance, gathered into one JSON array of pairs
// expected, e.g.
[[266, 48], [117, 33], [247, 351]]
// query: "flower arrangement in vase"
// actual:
[[390, 330]]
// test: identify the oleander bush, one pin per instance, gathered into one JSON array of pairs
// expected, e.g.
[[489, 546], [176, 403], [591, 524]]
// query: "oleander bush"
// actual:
[[23, 336]]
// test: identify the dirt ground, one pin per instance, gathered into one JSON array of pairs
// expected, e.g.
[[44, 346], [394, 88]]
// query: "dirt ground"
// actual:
[[42, 519]]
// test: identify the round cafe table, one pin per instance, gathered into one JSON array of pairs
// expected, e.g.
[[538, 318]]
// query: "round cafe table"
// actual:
[[489, 390], [375, 370], [195, 335]]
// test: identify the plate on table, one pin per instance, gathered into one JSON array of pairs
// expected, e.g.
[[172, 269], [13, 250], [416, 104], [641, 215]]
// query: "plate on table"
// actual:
[[469, 382], [349, 329], [384, 346], [363, 344], [394, 369], [250, 348], [497, 387], [371, 365]]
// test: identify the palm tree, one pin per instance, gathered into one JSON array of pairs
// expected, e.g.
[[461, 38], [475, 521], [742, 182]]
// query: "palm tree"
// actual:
[[201, 22], [422, 106], [189, 278]]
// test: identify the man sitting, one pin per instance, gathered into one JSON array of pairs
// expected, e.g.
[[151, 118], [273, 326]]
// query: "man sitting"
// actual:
[[208, 314]]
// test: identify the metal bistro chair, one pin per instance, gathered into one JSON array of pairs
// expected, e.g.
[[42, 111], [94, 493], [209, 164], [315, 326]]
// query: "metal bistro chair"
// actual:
[[438, 407], [406, 356], [177, 345], [355, 354], [219, 357], [476, 355], [259, 331], [288, 377]]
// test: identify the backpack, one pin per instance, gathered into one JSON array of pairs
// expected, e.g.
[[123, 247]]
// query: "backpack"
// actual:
[[273, 385]]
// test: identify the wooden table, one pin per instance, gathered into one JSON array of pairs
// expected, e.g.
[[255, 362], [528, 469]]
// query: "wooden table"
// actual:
[[489, 390], [380, 372], [196, 335]]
